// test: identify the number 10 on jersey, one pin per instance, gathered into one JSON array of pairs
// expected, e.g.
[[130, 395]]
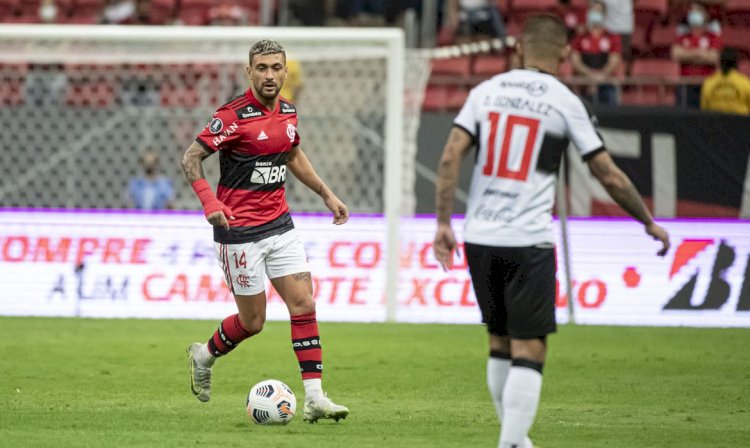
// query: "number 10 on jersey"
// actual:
[[502, 168]]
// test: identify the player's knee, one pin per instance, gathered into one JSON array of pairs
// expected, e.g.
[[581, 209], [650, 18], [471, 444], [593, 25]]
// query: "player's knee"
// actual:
[[254, 325], [303, 305]]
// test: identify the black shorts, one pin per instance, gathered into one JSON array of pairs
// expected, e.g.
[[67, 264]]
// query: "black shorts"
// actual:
[[515, 289]]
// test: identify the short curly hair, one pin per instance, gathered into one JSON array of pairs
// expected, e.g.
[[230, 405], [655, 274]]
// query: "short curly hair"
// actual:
[[266, 46]]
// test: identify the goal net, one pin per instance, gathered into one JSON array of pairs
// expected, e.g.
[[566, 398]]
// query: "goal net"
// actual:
[[81, 104]]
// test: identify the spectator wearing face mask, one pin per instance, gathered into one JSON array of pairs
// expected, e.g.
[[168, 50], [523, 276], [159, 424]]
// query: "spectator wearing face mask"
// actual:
[[698, 55], [48, 11], [596, 55]]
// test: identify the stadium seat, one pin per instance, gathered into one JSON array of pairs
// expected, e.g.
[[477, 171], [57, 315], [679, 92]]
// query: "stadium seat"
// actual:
[[504, 7], [194, 12], [659, 7], [653, 82], [737, 37], [162, 12], [662, 38], [86, 12], [565, 70], [457, 97], [12, 87], [489, 65], [8, 8], [744, 66], [533, 5], [435, 99], [514, 25], [459, 66], [738, 12]]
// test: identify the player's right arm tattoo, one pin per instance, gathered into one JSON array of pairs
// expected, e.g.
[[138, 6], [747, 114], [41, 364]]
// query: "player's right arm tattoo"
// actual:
[[447, 173], [192, 162], [619, 187]]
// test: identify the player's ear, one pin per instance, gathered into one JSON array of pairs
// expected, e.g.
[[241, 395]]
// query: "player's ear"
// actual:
[[519, 51], [248, 71], [564, 53]]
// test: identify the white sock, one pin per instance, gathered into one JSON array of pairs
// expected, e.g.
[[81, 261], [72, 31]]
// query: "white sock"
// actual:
[[520, 402], [497, 373], [205, 357], [313, 388]]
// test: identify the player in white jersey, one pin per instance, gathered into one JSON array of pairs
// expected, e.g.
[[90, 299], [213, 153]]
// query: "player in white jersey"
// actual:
[[522, 121]]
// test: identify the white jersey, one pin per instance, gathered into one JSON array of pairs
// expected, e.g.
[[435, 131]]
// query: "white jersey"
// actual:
[[522, 121]]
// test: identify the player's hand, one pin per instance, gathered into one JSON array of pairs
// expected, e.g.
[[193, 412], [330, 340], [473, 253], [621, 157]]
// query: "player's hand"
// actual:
[[219, 217], [660, 234], [340, 212], [444, 245]]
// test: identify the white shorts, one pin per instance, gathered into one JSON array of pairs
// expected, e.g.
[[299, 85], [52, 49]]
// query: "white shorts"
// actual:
[[244, 264]]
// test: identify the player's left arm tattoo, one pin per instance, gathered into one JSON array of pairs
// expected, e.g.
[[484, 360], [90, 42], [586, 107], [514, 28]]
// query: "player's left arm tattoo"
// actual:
[[619, 187], [192, 162], [459, 142]]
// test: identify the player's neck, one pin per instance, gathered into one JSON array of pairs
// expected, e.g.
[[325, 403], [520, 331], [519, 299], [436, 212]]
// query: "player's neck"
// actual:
[[541, 66], [269, 104]]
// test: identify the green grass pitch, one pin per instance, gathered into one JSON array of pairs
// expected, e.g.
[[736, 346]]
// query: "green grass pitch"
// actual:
[[90, 382]]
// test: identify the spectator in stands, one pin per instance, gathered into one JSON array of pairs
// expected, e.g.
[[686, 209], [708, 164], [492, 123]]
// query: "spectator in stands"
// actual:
[[227, 14], [596, 55], [713, 9], [151, 191], [574, 20], [620, 20], [727, 90], [698, 54], [119, 12], [361, 12], [293, 84], [474, 20], [48, 11]]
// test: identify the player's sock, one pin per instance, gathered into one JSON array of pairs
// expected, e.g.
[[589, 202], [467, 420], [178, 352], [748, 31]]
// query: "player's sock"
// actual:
[[229, 334], [520, 401], [498, 366], [306, 343]]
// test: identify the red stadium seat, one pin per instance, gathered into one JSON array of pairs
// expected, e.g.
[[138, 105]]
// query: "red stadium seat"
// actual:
[[457, 97], [194, 12], [654, 82], [435, 99], [504, 7], [738, 12], [662, 38], [86, 12], [8, 8], [659, 7], [533, 5], [736, 37], [490, 64], [459, 66], [12, 87], [179, 96], [162, 12], [565, 70]]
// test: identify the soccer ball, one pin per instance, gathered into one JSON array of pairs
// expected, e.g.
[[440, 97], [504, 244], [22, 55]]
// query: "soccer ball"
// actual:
[[271, 402]]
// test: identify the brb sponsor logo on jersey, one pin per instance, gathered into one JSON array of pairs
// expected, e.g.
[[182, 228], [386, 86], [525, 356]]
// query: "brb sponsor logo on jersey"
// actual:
[[268, 173]]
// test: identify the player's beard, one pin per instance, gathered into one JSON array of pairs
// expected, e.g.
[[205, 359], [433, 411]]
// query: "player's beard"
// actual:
[[264, 93]]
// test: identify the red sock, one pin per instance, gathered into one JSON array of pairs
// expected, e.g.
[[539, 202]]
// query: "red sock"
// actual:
[[306, 343], [227, 336]]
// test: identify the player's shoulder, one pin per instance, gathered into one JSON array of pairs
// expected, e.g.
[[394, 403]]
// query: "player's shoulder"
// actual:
[[286, 106]]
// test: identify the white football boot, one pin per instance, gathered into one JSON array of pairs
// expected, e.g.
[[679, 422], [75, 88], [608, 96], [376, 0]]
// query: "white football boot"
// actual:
[[323, 407], [200, 372]]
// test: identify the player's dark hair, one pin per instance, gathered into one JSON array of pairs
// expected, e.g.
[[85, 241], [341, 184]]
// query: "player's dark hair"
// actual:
[[266, 46], [728, 60], [545, 35]]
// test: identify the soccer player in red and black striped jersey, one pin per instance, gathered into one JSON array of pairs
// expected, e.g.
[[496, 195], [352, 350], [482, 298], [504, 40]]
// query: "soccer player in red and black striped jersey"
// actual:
[[256, 137]]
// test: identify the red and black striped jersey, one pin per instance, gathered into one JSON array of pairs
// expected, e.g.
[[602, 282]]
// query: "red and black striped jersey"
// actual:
[[253, 144]]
